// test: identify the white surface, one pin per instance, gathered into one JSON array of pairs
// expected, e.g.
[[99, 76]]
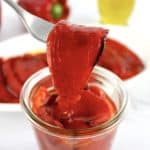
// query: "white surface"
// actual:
[[17, 134], [11, 25]]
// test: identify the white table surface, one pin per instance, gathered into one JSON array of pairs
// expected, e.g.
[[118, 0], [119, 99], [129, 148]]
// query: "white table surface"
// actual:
[[133, 133], [16, 134]]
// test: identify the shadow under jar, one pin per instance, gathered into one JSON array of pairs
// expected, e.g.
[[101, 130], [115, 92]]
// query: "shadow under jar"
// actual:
[[51, 137]]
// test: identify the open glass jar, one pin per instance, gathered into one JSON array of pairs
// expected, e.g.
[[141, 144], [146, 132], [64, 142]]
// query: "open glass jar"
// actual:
[[95, 138]]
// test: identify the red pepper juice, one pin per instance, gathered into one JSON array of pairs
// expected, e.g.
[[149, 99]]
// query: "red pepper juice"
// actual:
[[87, 132]]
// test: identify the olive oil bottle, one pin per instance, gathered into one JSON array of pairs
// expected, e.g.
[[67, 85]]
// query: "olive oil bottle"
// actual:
[[115, 11]]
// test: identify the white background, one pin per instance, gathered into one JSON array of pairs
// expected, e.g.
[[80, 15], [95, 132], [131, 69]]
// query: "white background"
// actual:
[[83, 11]]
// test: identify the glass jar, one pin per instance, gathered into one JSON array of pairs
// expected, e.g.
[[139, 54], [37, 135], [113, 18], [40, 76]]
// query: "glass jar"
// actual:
[[95, 138]]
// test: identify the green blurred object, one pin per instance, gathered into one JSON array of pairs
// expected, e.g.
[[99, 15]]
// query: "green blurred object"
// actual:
[[115, 11], [57, 11]]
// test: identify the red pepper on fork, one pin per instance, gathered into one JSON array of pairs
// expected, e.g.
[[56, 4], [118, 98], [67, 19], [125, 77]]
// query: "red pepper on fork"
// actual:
[[50, 10]]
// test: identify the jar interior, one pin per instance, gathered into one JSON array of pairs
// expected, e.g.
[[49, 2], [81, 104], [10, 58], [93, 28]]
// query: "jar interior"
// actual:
[[100, 77]]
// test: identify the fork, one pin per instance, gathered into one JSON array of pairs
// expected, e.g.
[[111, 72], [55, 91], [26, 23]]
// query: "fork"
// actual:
[[37, 27]]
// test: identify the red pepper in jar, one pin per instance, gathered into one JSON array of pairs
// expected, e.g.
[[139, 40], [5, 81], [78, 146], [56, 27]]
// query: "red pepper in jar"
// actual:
[[50, 10]]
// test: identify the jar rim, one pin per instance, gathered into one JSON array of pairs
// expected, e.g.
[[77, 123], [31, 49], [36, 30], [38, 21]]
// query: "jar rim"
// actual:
[[49, 128]]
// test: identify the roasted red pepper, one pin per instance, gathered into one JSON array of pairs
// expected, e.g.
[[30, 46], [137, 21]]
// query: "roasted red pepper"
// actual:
[[120, 59], [50, 10], [14, 72]]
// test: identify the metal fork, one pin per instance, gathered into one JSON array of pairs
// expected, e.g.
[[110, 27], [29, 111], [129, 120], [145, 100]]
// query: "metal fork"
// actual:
[[37, 27]]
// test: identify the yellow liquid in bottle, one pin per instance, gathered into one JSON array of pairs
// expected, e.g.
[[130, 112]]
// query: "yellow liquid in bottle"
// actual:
[[115, 11]]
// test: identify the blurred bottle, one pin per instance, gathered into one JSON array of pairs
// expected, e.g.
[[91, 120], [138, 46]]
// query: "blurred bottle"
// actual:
[[115, 11]]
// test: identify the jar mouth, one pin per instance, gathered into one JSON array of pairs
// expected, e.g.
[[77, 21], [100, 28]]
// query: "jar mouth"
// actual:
[[51, 129]]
